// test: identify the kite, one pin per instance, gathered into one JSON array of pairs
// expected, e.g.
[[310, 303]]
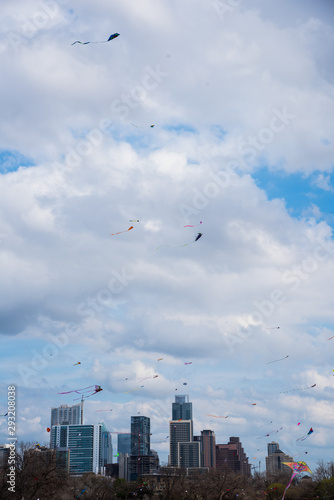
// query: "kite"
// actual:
[[82, 492], [115, 35], [299, 389], [142, 126], [160, 359], [199, 235], [146, 378], [5, 415], [135, 220], [135, 389], [269, 433], [276, 360], [217, 416], [78, 363], [120, 232], [273, 328], [189, 225], [296, 468], [85, 392], [330, 338], [190, 363], [308, 434], [97, 411], [253, 404], [185, 383], [48, 429]]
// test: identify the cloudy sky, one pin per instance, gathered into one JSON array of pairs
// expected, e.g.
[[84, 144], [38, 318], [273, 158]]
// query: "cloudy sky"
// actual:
[[241, 96]]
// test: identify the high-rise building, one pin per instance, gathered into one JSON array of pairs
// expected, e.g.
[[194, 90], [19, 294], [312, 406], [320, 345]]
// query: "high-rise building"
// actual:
[[208, 441], [189, 454], [233, 455], [124, 443], [179, 432], [272, 447], [106, 447], [88, 451], [275, 459], [67, 415], [140, 436], [182, 409], [123, 466], [140, 466]]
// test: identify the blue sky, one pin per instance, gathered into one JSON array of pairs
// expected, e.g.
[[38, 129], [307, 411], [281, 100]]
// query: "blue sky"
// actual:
[[299, 193], [12, 160], [243, 141]]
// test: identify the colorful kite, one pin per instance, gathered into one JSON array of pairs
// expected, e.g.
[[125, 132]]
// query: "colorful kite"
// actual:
[[160, 359], [120, 232], [189, 225], [296, 468], [330, 338], [307, 435], [217, 416], [48, 429], [276, 360], [115, 35], [86, 391], [190, 363], [135, 220], [78, 363]]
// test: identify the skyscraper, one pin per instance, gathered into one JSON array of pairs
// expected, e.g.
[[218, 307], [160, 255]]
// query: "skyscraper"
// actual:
[[272, 447], [233, 455], [67, 415], [275, 459], [106, 447], [124, 443], [140, 436], [182, 409], [208, 440], [189, 454], [87, 450], [179, 432]]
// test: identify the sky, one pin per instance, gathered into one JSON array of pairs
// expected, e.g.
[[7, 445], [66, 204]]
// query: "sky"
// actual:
[[241, 96]]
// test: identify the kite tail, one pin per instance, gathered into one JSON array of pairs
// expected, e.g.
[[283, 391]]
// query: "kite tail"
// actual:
[[293, 475]]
